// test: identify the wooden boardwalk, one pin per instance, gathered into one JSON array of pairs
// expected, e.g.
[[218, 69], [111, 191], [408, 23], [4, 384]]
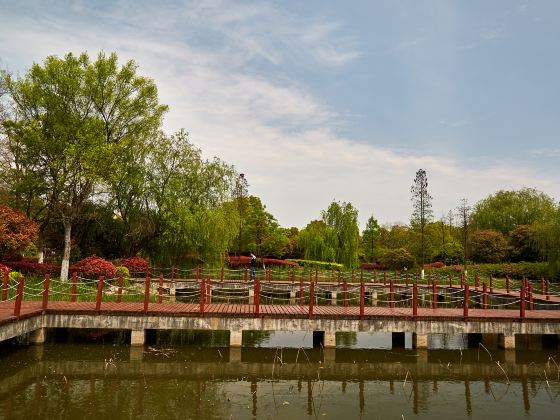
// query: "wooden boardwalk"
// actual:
[[34, 308]]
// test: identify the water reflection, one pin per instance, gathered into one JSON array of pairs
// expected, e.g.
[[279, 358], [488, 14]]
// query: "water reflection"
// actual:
[[172, 381]]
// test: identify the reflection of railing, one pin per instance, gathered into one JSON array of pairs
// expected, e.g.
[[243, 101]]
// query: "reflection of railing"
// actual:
[[288, 288]]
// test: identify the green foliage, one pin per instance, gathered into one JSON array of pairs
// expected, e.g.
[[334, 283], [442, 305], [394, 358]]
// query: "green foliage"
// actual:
[[121, 270], [15, 276], [370, 239], [397, 259], [548, 241], [342, 234], [505, 210], [488, 246], [523, 244], [319, 265], [449, 253]]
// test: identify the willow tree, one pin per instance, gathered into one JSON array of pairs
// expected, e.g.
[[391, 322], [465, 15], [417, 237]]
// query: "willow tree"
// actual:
[[342, 233], [370, 238], [76, 121], [422, 209]]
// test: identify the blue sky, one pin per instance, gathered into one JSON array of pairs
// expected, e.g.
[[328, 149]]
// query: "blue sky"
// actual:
[[323, 100]]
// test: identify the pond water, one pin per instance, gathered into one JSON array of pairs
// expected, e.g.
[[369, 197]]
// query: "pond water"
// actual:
[[192, 375]]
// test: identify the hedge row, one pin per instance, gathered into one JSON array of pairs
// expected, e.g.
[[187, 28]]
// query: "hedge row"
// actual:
[[531, 270], [319, 265]]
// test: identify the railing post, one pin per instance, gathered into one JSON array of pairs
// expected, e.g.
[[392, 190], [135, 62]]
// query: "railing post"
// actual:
[[172, 274], [476, 282], [119, 288], [415, 297], [542, 285], [160, 288], [202, 297], [46, 291], [311, 298], [450, 280], [345, 286], [384, 278], [362, 299], [406, 280], [245, 274], [222, 274], [257, 293], [147, 292], [19, 297], [531, 296], [466, 302], [301, 291], [208, 290], [491, 284], [391, 294], [522, 301], [484, 296], [507, 284], [5, 280], [74, 286], [99, 295], [546, 288], [434, 294]]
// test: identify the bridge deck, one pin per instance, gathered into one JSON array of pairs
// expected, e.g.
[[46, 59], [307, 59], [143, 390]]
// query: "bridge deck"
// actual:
[[32, 308]]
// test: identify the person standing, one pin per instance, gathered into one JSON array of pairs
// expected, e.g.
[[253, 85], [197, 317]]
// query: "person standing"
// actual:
[[253, 267]]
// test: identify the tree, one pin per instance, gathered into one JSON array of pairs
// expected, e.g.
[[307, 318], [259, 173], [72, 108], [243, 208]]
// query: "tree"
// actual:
[[523, 244], [241, 191], [505, 210], [370, 238], [464, 215], [488, 246], [78, 120], [397, 259], [16, 232], [548, 241], [422, 205], [312, 241], [342, 233]]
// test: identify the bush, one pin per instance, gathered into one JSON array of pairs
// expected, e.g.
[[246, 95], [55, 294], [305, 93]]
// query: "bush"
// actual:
[[121, 270], [93, 267], [15, 276], [372, 266], [397, 259], [319, 265], [136, 265], [28, 266], [16, 231], [3, 269], [488, 246], [245, 261]]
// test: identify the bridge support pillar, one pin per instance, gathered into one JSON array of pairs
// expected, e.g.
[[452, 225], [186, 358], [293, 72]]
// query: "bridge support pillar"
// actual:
[[506, 342], [333, 298], [136, 353], [235, 338], [397, 340], [235, 354], [251, 296], [329, 355], [329, 340], [38, 336], [419, 341], [374, 298], [137, 337], [293, 294]]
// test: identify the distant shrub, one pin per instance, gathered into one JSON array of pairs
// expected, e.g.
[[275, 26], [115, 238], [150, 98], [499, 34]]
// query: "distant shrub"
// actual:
[[136, 265], [319, 265], [3, 269], [435, 264], [31, 266], [397, 259], [93, 267], [372, 266], [245, 261], [15, 276], [121, 270]]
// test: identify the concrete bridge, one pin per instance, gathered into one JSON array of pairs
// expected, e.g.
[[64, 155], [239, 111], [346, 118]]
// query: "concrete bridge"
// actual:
[[343, 307]]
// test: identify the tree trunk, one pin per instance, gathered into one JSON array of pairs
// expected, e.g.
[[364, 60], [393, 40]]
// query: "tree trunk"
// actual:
[[66, 255]]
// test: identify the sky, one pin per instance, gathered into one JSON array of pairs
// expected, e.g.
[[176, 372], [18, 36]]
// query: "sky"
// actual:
[[319, 100]]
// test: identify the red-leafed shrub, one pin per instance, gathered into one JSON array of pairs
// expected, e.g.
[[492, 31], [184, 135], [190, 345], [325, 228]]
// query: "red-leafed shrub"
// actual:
[[3, 269], [93, 267], [245, 261], [28, 267], [16, 231], [435, 264], [372, 266], [136, 265]]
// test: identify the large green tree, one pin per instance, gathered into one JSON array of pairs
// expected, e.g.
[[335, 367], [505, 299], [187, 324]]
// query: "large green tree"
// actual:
[[342, 233], [505, 210], [77, 122]]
